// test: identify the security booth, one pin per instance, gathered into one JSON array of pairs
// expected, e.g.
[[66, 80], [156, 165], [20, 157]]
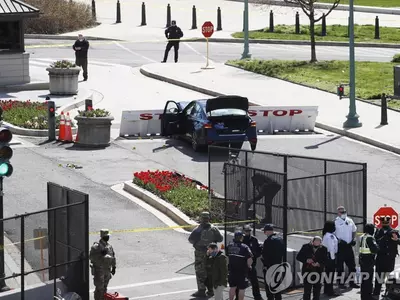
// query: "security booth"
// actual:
[[14, 61], [297, 194]]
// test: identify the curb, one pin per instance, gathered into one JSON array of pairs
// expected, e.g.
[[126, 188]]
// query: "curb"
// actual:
[[357, 8], [64, 37], [164, 207], [32, 86], [31, 132], [333, 129]]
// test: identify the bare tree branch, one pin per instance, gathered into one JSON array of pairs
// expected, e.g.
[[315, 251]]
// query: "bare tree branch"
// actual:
[[334, 5]]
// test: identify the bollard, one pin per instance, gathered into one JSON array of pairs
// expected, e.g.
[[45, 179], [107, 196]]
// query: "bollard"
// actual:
[[194, 17], [271, 21], [168, 16], [377, 35], [384, 119], [297, 23], [219, 20], [94, 10], [88, 104], [51, 107], [118, 12], [143, 15], [323, 29]]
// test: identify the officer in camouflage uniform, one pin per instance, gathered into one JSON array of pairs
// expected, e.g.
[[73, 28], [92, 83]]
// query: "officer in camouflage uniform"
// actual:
[[103, 264], [200, 238]]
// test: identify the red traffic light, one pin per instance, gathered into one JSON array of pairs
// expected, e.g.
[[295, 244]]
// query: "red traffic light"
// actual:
[[51, 109], [341, 89], [5, 135]]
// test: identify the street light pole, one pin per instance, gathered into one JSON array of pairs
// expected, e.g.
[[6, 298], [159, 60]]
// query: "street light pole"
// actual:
[[3, 285], [246, 53], [352, 118]]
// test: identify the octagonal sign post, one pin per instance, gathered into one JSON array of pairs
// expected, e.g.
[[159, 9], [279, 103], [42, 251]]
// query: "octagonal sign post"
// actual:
[[386, 211], [207, 30]]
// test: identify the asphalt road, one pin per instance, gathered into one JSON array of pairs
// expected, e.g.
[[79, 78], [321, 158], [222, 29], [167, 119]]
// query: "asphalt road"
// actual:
[[137, 54]]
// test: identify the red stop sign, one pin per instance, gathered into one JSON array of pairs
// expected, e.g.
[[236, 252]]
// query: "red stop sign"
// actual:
[[386, 212], [207, 29]]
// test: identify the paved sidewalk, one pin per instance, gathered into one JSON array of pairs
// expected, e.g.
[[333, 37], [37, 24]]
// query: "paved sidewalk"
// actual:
[[270, 91]]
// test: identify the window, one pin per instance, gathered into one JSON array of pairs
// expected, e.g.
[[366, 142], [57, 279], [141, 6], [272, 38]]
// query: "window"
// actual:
[[227, 112], [10, 37], [189, 109], [172, 108]]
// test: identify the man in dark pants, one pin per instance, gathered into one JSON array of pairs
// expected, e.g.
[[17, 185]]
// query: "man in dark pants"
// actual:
[[272, 253], [388, 241], [81, 48], [173, 33], [368, 251]]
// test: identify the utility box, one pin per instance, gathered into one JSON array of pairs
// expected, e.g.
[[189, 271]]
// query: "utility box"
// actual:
[[396, 71]]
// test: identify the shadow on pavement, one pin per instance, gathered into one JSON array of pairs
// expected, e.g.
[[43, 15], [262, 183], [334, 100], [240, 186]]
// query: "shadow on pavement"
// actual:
[[77, 147], [322, 143]]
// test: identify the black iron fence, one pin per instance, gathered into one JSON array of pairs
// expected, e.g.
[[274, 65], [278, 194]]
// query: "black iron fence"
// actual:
[[297, 194], [48, 249]]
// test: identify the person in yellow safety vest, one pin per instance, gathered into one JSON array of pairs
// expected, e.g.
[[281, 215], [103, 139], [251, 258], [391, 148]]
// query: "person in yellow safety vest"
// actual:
[[368, 251]]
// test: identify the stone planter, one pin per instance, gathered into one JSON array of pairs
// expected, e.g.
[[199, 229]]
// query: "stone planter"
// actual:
[[94, 132], [63, 81]]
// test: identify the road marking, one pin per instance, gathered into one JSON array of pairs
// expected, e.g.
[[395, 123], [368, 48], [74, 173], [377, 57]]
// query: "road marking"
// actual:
[[134, 53], [140, 284], [197, 52], [163, 294]]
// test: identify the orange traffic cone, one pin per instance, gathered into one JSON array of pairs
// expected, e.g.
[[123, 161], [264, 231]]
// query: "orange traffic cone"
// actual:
[[61, 133], [68, 129]]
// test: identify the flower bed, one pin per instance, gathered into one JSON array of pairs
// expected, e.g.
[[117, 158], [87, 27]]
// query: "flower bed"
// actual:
[[26, 114], [180, 191]]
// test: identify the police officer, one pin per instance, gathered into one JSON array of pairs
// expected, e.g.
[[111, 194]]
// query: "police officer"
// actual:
[[200, 238], [240, 262], [346, 232], [102, 258], [256, 249], [272, 253], [81, 48], [388, 241], [331, 243], [368, 251], [173, 33]]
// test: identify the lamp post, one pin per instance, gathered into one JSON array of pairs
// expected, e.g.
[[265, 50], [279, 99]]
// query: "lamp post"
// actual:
[[246, 53], [352, 118]]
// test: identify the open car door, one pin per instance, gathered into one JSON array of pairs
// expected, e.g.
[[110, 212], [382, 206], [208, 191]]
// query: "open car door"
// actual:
[[171, 119]]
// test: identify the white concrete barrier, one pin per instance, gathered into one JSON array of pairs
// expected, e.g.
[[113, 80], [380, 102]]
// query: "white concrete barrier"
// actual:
[[269, 120]]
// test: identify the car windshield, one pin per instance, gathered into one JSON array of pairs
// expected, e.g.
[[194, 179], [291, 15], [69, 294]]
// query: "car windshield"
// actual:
[[227, 112]]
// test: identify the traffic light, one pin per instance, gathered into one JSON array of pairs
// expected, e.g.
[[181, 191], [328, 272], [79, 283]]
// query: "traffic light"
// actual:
[[88, 105], [6, 153], [52, 109], [340, 91]]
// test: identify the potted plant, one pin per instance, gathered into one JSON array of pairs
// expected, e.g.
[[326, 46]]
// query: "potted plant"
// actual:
[[63, 76], [94, 128]]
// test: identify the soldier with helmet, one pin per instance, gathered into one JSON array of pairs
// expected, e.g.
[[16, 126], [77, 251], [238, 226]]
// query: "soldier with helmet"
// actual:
[[200, 238], [103, 264], [388, 240]]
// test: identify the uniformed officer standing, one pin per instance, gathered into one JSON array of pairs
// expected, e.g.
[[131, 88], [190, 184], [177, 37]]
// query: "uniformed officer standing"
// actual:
[[388, 241], [200, 238], [256, 249], [102, 257], [173, 33], [240, 262], [330, 241], [272, 253], [346, 232], [368, 251]]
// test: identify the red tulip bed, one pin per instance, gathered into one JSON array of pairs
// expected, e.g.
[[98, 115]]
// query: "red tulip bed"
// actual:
[[182, 192]]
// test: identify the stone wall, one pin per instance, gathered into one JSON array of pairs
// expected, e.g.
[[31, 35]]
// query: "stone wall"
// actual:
[[14, 68]]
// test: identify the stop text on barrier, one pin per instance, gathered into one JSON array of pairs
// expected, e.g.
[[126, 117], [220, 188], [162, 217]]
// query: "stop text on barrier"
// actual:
[[276, 113], [150, 116]]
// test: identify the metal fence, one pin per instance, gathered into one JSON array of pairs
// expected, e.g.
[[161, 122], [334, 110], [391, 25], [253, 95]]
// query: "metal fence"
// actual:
[[297, 194], [50, 246]]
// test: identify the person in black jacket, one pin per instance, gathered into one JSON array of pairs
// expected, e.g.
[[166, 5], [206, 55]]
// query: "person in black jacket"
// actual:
[[313, 256], [368, 251], [173, 33], [388, 241], [272, 253], [81, 48]]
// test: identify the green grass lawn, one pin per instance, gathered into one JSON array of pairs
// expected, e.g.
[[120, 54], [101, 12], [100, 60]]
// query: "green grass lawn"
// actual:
[[378, 3], [363, 33], [372, 78]]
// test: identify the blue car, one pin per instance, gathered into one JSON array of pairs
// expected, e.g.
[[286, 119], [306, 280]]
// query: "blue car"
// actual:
[[222, 121]]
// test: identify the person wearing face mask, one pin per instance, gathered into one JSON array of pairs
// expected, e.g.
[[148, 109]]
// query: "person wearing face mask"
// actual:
[[81, 48], [330, 241], [218, 269], [313, 256], [368, 251], [388, 241], [103, 264], [200, 238], [173, 34], [346, 232]]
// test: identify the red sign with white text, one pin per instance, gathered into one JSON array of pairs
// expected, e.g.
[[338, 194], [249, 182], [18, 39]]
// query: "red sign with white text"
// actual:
[[386, 211], [207, 29]]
